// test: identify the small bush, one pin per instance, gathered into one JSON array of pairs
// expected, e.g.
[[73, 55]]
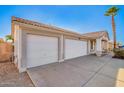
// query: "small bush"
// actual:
[[118, 53]]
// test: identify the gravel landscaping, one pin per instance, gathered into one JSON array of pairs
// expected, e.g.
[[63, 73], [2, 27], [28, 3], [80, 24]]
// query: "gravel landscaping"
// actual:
[[9, 76]]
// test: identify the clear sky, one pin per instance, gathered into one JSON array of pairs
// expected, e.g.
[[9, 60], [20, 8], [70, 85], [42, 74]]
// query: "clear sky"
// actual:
[[81, 19]]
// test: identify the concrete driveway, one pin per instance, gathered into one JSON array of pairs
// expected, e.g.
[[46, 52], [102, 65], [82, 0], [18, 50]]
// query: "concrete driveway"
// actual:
[[87, 71]]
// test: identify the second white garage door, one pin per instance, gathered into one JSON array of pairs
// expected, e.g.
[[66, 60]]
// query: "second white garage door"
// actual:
[[41, 50], [75, 48]]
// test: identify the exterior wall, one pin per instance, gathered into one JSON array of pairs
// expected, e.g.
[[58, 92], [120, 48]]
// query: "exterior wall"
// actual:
[[24, 32], [98, 47], [104, 45], [88, 46], [92, 51], [16, 31], [61, 48], [15, 36], [20, 40], [18, 45], [101, 46]]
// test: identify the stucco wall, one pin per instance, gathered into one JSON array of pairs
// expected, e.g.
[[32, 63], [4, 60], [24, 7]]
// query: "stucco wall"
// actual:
[[21, 44]]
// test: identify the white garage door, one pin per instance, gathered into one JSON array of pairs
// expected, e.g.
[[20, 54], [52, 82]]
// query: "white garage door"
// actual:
[[41, 50], [75, 48]]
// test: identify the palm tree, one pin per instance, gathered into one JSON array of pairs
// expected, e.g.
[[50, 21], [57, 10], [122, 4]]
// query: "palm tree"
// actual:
[[9, 37], [113, 12]]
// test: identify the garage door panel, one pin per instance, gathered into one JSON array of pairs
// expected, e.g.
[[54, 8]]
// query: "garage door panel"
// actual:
[[75, 48], [41, 50]]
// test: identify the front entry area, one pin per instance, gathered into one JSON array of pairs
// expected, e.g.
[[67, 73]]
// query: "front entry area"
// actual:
[[41, 50], [92, 46]]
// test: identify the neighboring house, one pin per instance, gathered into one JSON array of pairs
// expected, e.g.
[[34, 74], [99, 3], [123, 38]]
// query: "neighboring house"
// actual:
[[39, 44], [99, 42]]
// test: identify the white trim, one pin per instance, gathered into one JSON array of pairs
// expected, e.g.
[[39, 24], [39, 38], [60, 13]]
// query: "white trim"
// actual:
[[98, 44], [19, 47], [61, 47]]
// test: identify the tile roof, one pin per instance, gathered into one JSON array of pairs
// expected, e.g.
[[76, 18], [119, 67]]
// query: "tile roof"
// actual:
[[25, 21], [91, 35], [95, 34]]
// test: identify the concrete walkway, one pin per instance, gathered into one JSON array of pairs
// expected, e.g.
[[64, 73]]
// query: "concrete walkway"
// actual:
[[9, 76], [87, 71]]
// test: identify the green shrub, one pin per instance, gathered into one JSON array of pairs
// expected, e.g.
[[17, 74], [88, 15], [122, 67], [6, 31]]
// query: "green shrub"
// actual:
[[118, 53]]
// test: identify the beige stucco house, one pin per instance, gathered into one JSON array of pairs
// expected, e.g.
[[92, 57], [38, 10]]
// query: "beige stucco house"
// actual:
[[99, 43], [38, 44]]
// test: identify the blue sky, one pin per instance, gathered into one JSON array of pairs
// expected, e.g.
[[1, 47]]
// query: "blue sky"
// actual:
[[81, 19]]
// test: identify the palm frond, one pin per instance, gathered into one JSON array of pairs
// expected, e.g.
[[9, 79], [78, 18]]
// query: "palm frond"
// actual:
[[112, 11], [8, 37]]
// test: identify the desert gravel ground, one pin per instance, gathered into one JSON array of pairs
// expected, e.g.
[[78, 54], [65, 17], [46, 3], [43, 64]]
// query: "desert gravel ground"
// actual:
[[9, 76]]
